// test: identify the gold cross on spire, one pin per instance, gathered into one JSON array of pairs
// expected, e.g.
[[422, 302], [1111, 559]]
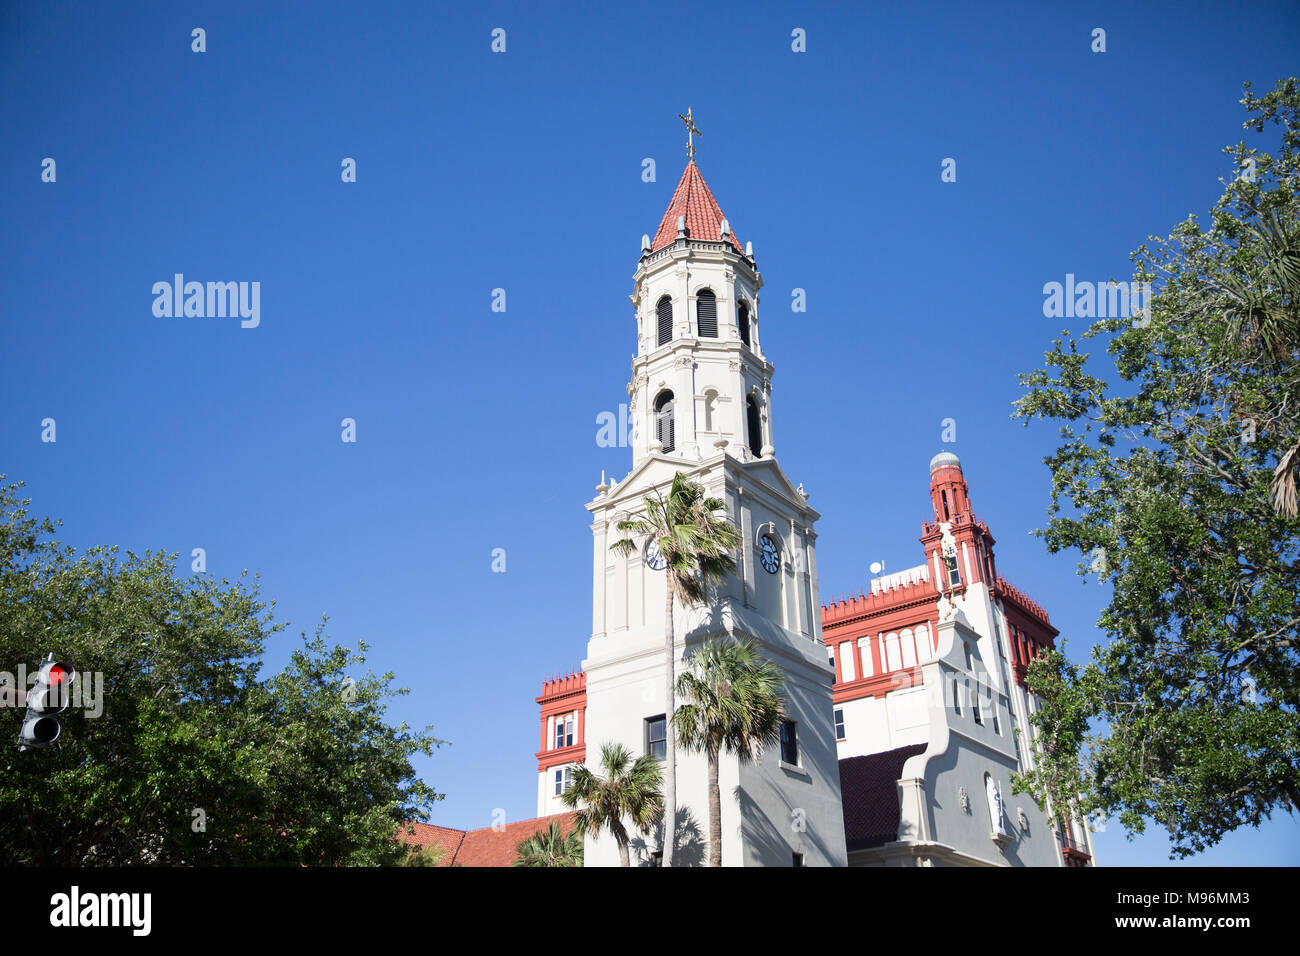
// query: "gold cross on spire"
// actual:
[[691, 132]]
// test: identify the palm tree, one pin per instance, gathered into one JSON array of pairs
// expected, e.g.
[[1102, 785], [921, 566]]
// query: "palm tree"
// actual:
[[629, 788], [550, 847], [695, 544], [735, 705]]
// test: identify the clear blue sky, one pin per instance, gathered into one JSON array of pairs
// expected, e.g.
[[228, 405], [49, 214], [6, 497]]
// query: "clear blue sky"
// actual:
[[476, 429]]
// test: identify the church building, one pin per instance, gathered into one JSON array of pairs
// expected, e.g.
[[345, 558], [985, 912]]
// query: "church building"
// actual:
[[902, 704]]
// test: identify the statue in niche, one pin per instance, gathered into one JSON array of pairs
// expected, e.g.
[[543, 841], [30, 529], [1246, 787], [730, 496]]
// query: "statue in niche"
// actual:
[[996, 819]]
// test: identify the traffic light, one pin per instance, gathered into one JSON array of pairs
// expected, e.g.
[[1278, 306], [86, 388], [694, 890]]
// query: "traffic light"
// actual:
[[48, 696]]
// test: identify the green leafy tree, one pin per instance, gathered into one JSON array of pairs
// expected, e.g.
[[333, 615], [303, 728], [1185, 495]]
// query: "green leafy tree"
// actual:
[[696, 541], [550, 847], [734, 706], [629, 789], [195, 759], [1177, 483]]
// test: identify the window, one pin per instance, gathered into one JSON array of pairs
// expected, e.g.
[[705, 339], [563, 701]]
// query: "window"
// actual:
[[789, 743], [923, 649], [797, 859], [956, 697], [562, 780], [864, 650], [943, 493], [742, 320], [706, 314], [664, 430], [893, 659], [656, 737], [755, 426], [997, 729], [966, 648], [954, 577], [563, 732], [664, 315], [657, 858], [839, 723], [846, 661], [975, 709], [909, 647]]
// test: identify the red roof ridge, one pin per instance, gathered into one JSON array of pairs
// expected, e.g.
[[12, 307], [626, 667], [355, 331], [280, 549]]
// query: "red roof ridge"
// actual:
[[486, 846]]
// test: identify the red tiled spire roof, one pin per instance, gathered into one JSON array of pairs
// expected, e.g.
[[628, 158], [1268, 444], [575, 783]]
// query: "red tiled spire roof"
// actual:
[[703, 217]]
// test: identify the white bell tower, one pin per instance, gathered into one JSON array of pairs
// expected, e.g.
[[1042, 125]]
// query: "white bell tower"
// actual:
[[701, 405]]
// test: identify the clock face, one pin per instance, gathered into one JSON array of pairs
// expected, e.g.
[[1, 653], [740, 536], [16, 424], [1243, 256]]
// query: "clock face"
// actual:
[[654, 557], [770, 557]]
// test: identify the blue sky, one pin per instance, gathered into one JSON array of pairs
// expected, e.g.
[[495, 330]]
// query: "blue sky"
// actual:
[[477, 429]]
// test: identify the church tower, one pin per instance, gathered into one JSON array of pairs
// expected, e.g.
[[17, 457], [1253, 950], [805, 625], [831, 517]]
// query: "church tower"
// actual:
[[700, 401]]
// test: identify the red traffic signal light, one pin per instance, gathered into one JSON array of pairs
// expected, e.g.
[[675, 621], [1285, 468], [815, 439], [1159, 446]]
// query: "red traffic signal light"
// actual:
[[48, 696]]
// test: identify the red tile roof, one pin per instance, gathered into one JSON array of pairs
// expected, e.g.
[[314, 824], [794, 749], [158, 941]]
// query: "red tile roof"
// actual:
[[703, 216], [485, 847], [868, 787]]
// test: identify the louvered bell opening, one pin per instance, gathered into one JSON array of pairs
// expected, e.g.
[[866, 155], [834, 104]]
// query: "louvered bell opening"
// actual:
[[743, 321], [665, 316], [666, 436], [706, 312], [755, 427], [664, 431]]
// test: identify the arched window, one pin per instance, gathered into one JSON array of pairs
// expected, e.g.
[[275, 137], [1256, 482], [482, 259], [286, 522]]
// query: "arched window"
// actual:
[[742, 320], [755, 426], [664, 420], [706, 314], [664, 314], [864, 651], [923, 649], [908, 646], [893, 659]]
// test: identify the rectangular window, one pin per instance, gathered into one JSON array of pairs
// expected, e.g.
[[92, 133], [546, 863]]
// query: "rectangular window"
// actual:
[[657, 858], [789, 743], [798, 860], [997, 728], [568, 732], [846, 661], [975, 708], [562, 780], [559, 733], [656, 737], [956, 697], [839, 723]]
